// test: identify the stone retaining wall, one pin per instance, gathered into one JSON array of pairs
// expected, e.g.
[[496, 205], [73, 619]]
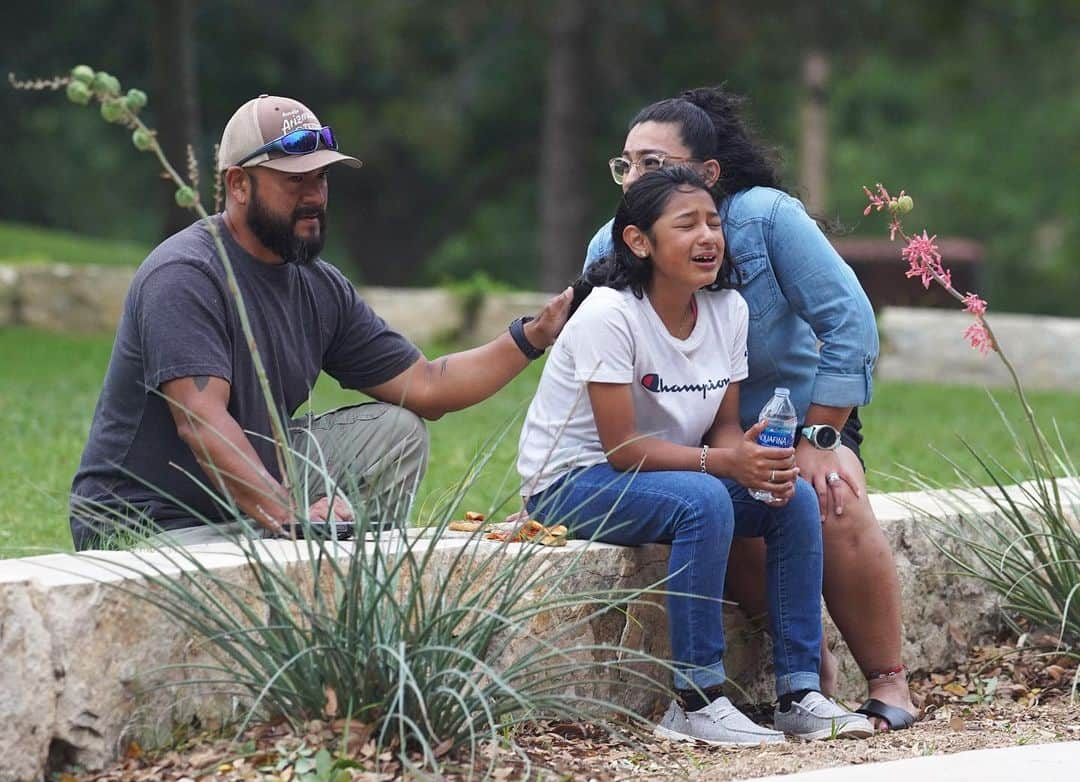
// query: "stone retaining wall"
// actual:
[[61, 297], [927, 345], [917, 344], [67, 298], [73, 642]]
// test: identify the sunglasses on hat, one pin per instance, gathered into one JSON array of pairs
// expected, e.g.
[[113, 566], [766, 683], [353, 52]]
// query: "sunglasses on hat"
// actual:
[[298, 142]]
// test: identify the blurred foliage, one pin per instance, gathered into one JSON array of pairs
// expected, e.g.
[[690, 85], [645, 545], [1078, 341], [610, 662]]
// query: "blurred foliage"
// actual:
[[28, 244], [973, 106]]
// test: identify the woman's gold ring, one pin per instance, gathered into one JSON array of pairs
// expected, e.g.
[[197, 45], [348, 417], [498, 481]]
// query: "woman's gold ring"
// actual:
[[772, 477]]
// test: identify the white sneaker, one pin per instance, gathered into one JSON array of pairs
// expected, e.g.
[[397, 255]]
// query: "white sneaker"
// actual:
[[816, 717], [719, 724]]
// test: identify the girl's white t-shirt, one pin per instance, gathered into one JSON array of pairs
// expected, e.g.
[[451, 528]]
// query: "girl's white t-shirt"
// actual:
[[615, 337]]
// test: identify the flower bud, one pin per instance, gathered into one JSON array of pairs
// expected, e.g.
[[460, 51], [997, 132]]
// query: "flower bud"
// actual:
[[78, 92], [142, 140], [904, 204], [185, 197], [106, 84], [112, 110], [135, 100], [83, 74]]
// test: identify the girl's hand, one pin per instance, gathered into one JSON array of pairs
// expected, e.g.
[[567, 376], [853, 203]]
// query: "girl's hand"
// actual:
[[763, 468]]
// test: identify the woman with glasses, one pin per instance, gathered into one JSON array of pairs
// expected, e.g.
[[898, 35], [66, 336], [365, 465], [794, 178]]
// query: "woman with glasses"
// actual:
[[634, 437], [800, 293]]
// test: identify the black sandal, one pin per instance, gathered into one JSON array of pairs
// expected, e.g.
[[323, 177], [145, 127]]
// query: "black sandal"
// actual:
[[894, 716]]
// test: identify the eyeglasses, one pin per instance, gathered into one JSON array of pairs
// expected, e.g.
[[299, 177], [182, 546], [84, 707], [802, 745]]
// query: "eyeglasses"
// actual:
[[620, 166], [299, 142]]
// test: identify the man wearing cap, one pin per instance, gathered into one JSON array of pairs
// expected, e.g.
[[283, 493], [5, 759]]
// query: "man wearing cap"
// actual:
[[182, 410]]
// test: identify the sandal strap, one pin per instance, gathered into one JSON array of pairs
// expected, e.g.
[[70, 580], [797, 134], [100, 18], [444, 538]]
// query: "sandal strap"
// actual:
[[897, 718]]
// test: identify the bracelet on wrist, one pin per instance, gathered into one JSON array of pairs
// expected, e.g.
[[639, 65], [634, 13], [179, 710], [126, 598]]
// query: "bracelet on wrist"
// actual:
[[517, 331], [704, 458]]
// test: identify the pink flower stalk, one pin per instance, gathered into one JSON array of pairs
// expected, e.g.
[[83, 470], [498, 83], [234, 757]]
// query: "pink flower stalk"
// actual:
[[979, 337], [894, 227], [924, 260], [974, 304], [878, 201]]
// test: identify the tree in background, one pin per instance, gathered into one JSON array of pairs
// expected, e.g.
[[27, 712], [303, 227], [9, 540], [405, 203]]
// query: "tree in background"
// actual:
[[563, 195], [973, 105], [172, 51], [814, 132]]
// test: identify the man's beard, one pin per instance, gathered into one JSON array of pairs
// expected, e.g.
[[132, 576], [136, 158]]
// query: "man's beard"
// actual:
[[279, 235]]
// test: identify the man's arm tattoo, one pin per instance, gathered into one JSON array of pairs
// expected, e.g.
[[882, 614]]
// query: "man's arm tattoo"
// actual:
[[442, 365], [201, 382]]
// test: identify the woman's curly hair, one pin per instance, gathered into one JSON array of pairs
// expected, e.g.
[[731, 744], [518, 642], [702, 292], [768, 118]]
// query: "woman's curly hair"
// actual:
[[713, 128]]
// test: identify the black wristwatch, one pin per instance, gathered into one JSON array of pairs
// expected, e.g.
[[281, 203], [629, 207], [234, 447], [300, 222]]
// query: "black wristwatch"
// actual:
[[822, 436], [517, 331]]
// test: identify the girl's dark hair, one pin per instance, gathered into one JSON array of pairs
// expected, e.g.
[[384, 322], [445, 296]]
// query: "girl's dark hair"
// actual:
[[642, 205], [712, 127]]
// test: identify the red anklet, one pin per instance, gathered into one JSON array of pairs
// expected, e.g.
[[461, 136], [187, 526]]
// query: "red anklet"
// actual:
[[889, 674]]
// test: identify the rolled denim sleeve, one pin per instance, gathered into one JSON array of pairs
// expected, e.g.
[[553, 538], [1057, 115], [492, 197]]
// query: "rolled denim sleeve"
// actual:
[[600, 246], [823, 290]]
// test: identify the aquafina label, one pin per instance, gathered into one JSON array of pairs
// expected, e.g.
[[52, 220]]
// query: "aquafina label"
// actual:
[[779, 432]]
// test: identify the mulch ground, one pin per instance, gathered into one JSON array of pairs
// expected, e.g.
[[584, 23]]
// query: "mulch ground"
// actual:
[[1005, 695]]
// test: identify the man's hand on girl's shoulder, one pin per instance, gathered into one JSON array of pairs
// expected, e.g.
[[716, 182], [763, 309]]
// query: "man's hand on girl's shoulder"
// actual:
[[545, 327]]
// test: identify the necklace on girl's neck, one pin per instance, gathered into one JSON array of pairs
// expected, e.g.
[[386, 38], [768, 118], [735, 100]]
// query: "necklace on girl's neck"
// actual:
[[662, 306], [689, 316]]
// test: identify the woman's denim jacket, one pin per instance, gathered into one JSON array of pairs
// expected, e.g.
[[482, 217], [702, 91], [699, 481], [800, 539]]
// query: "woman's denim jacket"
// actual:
[[799, 292]]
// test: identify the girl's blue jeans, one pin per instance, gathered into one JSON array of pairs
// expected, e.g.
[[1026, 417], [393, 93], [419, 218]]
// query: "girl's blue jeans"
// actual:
[[698, 514]]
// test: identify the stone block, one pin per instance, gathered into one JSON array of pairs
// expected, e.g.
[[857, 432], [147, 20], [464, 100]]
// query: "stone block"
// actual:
[[63, 297], [928, 346], [498, 309], [421, 314], [84, 656], [9, 281]]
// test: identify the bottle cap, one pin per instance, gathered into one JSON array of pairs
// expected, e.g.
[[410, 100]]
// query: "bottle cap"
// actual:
[[782, 391]]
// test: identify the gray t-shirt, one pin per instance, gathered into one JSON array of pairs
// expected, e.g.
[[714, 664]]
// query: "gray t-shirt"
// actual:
[[180, 320]]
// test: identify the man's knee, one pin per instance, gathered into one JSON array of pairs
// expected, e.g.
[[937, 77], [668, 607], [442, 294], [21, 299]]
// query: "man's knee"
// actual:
[[367, 444], [410, 427], [376, 423], [402, 434], [408, 436]]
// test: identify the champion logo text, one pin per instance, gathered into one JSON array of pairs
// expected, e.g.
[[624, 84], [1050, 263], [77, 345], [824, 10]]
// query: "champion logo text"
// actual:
[[654, 383]]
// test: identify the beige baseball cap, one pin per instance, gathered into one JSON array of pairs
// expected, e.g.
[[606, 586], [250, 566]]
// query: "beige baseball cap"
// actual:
[[264, 119]]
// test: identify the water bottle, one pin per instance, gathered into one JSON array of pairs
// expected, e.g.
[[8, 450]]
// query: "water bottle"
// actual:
[[779, 432]]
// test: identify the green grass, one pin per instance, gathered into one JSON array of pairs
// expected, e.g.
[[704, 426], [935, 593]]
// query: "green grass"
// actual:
[[28, 244], [50, 383], [907, 421]]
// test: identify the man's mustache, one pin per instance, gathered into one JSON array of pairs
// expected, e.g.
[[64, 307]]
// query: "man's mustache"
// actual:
[[313, 211]]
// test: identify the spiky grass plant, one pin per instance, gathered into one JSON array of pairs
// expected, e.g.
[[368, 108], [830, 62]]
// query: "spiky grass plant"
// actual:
[[430, 642], [1018, 532]]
